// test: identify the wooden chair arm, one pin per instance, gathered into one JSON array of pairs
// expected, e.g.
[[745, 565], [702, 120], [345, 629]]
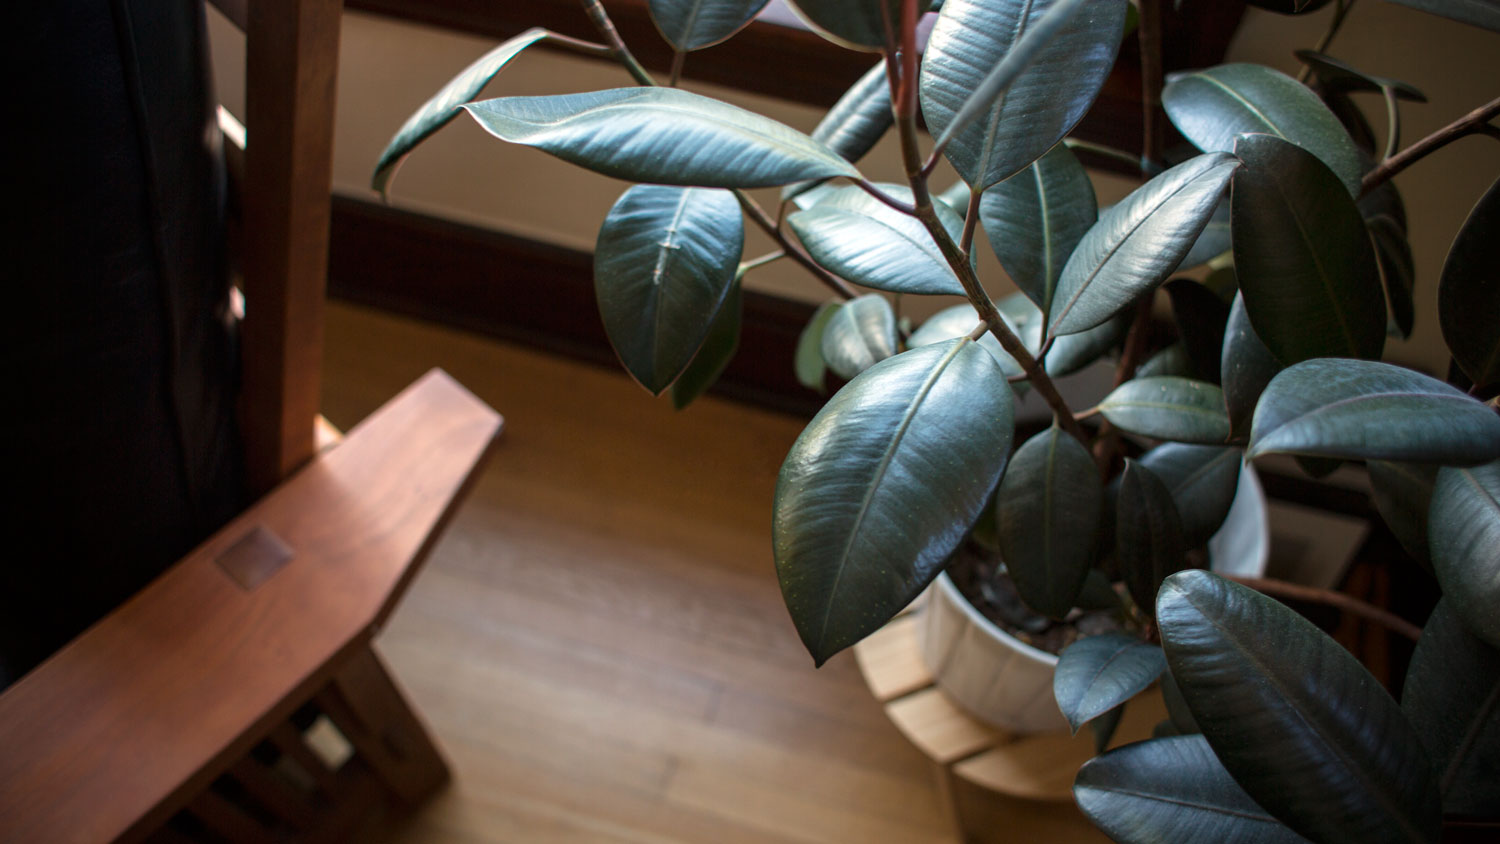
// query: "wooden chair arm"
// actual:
[[117, 731]]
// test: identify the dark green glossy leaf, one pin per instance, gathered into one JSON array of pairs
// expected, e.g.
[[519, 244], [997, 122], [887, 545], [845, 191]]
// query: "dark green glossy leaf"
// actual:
[[1097, 673], [1169, 408], [695, 24], [1469, 293], [1138, 242], [1097, 592], [808, 359], [1481, 13], [1202, 479], [1201, 317], [663, 266], [1149, 544], [1245, 368], [1212, 107], [718, 350], [1072, 352], [855, 122], [1364, 410], [880, 488], [1035, 218], [1047, 514], [445, 104], [1463, 533], [661, 135], [1336, 75], [1297, 721], [1105, 725], [1173, 360], [1452, 697], [972, 38], [868, 242], [859, 335], [1177, 709], [1393, 260], [1303, 257], [1172, 791], [856, 24], [1403, 495], [1212, 242], [958, 321], [1353, 120]]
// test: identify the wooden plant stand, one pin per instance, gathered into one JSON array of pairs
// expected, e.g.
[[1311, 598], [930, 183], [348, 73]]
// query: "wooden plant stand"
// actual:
[[997, 786]]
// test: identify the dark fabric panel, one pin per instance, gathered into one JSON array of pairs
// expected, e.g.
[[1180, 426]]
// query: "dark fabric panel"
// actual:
[[119, 448]]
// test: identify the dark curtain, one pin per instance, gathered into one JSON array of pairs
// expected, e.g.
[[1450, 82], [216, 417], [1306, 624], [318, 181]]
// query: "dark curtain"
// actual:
[[119, 447]]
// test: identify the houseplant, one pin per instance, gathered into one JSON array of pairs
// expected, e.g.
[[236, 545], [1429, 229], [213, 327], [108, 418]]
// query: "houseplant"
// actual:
[[1282, 734]]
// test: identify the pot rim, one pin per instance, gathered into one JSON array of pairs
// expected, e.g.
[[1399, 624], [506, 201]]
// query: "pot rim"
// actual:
[[1249, 485]]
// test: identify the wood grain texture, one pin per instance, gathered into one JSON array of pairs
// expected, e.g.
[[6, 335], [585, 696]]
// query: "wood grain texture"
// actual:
[[599, 643], [291, 67], [123, 726]]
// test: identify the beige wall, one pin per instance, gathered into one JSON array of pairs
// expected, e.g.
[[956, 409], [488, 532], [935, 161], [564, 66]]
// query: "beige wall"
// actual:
[[388, 69]]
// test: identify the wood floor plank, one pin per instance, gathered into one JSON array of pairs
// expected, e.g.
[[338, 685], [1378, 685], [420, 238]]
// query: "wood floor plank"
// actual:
[[599, 642]]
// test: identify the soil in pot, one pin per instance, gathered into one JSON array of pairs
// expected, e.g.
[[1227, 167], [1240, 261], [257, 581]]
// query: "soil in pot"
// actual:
[[979, 574]]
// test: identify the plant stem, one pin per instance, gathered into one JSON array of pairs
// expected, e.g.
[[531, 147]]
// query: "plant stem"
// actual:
[[971, 223], [1148, 32], [1341, 10], [869, 188], [1106, 445], [755, 263], [757, 214], [1110, 152], [1475, 121], [612, 37], [905, 108], [578, 45], [793, 250], [1392, 122], [1328, 597], [676, 73]]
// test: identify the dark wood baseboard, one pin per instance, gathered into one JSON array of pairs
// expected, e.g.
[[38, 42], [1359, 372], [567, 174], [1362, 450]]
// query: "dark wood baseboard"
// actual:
[[538, 294]]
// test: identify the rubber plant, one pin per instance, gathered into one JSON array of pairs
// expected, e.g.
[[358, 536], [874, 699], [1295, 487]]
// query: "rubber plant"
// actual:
[[1280, 734]]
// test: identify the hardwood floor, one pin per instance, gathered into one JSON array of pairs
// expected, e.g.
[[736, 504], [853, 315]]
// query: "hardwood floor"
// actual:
[[598, 641]]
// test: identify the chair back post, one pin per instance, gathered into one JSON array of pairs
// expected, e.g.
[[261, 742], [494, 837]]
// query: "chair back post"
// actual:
[[291, 70]]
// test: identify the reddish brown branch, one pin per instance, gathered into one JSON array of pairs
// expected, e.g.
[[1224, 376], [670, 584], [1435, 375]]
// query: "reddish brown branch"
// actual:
[[1346, 603]]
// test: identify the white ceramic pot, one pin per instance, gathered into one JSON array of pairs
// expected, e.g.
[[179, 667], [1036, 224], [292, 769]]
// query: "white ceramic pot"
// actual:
[[1005, 682]]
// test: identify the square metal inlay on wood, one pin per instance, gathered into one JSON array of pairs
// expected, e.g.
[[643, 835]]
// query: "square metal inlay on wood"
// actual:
[[254, 557]]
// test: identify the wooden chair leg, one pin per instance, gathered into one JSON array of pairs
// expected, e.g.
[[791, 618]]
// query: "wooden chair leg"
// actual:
[[368, 708]]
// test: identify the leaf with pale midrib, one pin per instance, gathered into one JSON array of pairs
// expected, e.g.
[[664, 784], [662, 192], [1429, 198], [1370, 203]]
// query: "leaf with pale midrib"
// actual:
[[695, 24], [1135, 244], [445, 104], [663, 267], [1303, 257], [661, 135], [971, 37], [883, 484], [1452, 696], [1366, 410], [1213, 106], [1172, 791], [1299, 723]]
